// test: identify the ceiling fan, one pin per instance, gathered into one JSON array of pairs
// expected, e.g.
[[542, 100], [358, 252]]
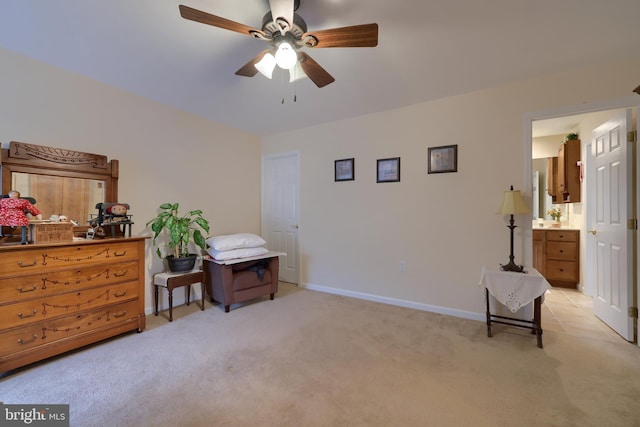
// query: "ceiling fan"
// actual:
[[286, 32]]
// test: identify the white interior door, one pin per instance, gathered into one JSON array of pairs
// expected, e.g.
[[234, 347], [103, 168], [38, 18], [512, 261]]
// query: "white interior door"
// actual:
[[280, 210], [611, 248]]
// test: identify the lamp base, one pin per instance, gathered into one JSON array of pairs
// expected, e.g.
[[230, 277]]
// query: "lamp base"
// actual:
[[513, 267]]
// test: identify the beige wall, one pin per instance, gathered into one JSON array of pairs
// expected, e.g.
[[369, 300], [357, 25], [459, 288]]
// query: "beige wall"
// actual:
[[546, 146], [217, 169], [354, 234]]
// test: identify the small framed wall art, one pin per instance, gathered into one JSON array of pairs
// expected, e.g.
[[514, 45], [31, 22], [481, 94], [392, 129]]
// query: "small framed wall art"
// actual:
[[388, 170], [443, 159], [344, 170]]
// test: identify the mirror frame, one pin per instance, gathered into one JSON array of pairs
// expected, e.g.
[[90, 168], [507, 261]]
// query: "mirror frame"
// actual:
[[42, 160]]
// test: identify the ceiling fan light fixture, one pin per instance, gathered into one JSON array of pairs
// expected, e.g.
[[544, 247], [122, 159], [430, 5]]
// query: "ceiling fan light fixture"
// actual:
[[296, 73], [286, 56], [266, 65], [286, 32]]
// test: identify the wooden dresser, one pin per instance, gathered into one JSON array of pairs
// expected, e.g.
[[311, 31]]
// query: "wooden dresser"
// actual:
[[556, 255], [58, 297]]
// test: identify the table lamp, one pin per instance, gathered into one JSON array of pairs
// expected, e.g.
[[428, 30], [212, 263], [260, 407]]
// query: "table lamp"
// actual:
[[513, 204]]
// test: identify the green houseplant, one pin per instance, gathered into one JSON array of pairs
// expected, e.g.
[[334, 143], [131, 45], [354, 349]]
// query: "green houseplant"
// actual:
[[570, 137], [180, 230]]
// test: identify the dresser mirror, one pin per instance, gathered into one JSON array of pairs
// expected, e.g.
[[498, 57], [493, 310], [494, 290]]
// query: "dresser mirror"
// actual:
[[75, 198], [63, 182]]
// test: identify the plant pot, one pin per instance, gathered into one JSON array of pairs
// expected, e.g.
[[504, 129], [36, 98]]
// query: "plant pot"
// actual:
[[179, 265]]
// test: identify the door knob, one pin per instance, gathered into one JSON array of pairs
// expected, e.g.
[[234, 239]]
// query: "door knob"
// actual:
[[593, 231]]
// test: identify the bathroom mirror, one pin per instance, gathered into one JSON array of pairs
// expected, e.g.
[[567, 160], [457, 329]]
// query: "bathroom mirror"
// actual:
[[543, 200]]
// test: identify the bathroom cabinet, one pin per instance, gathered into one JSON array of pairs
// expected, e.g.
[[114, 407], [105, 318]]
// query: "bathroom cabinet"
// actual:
[[556, 255]]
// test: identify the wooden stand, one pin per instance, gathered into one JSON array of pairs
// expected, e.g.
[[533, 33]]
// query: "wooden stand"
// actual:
[[535, 325], [514, 291], [176, 280]]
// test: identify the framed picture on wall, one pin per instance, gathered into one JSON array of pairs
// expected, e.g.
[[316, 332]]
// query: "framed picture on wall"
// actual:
[[388, 170], [344, 170], [443, 159]]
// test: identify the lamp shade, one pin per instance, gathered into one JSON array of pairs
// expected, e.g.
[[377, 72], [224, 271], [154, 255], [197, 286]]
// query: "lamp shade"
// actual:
[[266, 65], [296, 73], [513, 203]]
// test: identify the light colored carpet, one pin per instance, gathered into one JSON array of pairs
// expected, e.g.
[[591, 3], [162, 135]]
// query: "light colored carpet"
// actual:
[[314, 359]]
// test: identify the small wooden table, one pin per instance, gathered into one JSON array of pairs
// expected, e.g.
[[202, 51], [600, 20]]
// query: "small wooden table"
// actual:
[[176, 280], [515, 290]]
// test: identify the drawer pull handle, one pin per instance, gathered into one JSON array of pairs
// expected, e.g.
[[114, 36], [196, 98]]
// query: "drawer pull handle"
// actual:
[[119, 254], [121, 294], [120, 274], [24, 316], [562, 269], [561, 251], [124, 313], [21, 342], [22, 265], [22, 291]]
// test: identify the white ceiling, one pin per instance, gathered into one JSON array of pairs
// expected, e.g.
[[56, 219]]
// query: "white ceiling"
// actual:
[[427, 50]]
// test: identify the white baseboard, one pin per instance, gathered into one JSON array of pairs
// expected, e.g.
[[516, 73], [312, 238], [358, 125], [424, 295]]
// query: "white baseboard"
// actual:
[[398, 302]]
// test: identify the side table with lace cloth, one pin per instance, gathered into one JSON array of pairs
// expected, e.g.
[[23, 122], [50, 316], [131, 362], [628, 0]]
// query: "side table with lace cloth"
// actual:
[[515, 290]]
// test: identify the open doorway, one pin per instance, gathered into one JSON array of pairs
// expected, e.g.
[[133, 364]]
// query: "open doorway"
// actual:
[[547, 133]]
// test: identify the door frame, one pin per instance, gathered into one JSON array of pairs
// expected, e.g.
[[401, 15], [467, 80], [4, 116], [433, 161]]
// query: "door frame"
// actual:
[[631, 101]]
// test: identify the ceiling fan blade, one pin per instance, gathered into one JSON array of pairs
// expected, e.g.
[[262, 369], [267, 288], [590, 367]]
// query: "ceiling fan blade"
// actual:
[[206, 18], [249, 69], [282, 12], [314, 71], [355, 36]]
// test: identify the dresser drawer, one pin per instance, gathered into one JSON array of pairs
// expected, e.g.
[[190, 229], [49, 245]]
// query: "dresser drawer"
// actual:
[[44, 258], [561, 270], [61, 296], [562, 250], [36, 310], [562, 235], [22, 288], [42, 333]]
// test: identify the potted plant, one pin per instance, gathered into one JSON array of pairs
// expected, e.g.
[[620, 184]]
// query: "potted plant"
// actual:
[[180, 231], [571, 137]]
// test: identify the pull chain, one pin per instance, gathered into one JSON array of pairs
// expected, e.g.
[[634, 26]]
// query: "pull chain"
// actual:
[[295, 93], [282, 87]]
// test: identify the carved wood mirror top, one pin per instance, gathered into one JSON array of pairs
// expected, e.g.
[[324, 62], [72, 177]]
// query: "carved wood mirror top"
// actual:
[[62, 181]]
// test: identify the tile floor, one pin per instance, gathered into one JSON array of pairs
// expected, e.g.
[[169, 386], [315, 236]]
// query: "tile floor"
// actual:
[[570, 311]]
